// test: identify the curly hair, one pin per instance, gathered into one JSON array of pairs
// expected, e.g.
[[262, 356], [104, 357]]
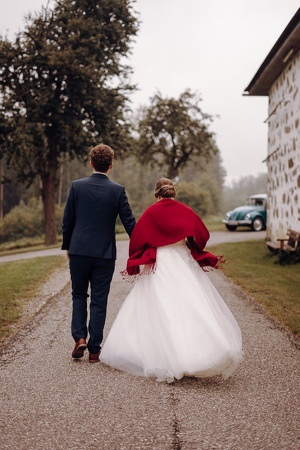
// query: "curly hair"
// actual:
[[164, 188], [101, 157]]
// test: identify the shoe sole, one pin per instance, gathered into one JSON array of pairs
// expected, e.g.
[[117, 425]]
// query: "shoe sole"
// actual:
[[79, 352]]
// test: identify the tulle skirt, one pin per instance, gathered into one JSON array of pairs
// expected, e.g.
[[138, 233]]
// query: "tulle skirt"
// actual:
[[174, 323]]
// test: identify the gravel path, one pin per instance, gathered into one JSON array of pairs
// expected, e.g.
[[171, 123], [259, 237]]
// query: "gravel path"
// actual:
[[49, 401]]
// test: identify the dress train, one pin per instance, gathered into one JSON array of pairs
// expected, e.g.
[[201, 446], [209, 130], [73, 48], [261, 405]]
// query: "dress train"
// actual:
[[174, 323]]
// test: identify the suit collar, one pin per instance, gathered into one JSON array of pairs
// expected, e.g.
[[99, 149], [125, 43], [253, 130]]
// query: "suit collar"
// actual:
[[99, 175]]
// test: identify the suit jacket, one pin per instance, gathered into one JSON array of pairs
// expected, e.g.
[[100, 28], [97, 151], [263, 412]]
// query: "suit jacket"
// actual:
[[89, 220]]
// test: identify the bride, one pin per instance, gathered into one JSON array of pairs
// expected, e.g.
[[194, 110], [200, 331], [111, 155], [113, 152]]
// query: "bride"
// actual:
[[173, 323]]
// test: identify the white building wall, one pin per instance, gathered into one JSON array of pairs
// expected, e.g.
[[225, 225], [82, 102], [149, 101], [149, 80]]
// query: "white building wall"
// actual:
[[283, 159]]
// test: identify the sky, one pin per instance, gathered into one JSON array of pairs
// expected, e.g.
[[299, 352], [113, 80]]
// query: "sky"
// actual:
[[212, 47]]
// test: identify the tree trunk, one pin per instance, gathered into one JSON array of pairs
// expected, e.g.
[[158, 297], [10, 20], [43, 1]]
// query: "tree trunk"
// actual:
[[60, 186], [172, 173], [48, 195], [1, 190]]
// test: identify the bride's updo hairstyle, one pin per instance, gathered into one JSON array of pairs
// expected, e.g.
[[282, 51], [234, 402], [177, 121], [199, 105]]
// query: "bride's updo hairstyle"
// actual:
[[164, 188]]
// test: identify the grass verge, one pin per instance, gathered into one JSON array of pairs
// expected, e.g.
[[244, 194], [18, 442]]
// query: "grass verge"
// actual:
[[252, 267], [214, 223], [34, 244], [25, 245], [19, 280]]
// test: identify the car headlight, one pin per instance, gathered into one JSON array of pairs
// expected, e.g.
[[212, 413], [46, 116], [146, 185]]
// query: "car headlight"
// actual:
[[227, 216], [247, 216]]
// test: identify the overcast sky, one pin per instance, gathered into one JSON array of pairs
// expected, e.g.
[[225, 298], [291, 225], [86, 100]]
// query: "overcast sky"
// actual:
[[213, 47]]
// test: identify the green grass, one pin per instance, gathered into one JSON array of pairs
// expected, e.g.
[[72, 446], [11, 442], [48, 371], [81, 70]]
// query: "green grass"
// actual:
[[251, 266], [32, 244], [19, 280], [214, 223], [25, 245]]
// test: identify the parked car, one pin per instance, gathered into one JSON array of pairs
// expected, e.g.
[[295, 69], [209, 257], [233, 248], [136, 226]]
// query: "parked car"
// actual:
[[253, 214]]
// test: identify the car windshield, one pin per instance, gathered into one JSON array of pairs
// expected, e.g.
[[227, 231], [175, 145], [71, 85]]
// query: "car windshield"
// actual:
[[255, 202]]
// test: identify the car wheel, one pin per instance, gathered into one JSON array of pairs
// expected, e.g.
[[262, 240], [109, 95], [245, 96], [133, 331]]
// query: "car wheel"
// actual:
[[257, 224], [231, 227]]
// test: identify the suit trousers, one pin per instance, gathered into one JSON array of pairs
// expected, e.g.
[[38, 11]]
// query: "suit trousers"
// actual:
[[97, 273]]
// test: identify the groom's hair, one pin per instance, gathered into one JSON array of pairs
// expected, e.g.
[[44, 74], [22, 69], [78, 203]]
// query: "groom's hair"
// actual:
[[101, 157]]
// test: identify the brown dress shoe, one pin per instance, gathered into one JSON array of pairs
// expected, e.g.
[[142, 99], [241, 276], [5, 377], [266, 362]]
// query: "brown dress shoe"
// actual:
[[94, 357], [79, 348]]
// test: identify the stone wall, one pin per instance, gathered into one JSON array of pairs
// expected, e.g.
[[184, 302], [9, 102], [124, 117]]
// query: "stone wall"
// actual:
[[283, 159]]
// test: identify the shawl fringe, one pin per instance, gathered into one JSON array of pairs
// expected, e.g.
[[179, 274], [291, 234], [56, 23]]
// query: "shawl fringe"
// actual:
[[221, 262], [147, 269], [129, 278]]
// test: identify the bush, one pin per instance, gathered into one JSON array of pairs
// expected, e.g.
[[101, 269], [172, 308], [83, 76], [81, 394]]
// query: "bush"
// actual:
[[286, 258], [26, 220], [197, 198], [23, 220], [59, 212]]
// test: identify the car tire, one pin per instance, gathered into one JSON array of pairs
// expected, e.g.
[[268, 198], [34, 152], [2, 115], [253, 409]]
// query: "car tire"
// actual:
[[257, 224], [231, 227]]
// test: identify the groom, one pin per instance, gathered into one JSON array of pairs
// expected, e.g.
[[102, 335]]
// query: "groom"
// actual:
[[88, 230]]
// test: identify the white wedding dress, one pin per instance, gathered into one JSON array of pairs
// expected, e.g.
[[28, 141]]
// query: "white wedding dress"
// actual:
[[174, 323]]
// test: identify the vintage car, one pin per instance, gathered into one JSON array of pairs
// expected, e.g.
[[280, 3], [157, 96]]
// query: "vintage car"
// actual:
[[253, 214]]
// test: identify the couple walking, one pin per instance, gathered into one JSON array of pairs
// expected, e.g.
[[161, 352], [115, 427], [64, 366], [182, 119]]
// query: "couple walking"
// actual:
[[173, 323]]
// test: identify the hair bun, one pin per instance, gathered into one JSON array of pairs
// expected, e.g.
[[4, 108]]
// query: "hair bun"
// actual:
[[164, 188]]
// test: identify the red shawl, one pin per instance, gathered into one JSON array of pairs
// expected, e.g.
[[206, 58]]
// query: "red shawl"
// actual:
[[164, 223]]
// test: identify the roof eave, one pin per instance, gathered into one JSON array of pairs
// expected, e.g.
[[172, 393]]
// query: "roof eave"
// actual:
[[284, 50]]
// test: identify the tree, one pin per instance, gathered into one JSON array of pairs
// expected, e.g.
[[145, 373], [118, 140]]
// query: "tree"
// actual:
[[64, 88], [203, 190], [237, 193], [173, 131]]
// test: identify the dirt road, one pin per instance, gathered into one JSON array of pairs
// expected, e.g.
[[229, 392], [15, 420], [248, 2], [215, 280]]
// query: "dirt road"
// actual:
[[49, 401]]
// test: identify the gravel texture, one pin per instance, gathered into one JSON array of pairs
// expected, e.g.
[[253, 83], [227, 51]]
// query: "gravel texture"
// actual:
[[49, 401]]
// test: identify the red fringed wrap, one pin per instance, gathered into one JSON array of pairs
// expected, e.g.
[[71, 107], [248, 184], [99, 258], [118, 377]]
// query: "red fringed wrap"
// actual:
[[164, 223]]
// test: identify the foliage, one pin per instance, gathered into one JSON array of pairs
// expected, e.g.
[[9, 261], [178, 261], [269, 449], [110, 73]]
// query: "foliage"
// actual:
[[172, 131], [23, 220], [194, 187], [64, 88], [236, 194], [26, 220], [285, 258], [251, 266], [139, 182], [21, 245], [208, 181], [15, 192], [199, 200], [19, 281]]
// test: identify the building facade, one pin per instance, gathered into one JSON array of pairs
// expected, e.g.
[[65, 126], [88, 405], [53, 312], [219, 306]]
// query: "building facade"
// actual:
[[279, 79]]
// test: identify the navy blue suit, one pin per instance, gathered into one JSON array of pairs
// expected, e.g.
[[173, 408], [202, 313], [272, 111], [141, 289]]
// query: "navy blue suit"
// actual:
[[91, 210]]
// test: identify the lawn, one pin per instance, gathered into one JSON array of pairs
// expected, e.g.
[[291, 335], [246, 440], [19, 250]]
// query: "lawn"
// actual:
[[19, 280], [214, 223], [277, 288]]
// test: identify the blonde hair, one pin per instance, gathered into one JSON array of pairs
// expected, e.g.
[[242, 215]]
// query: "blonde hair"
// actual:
[[164, 188]]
